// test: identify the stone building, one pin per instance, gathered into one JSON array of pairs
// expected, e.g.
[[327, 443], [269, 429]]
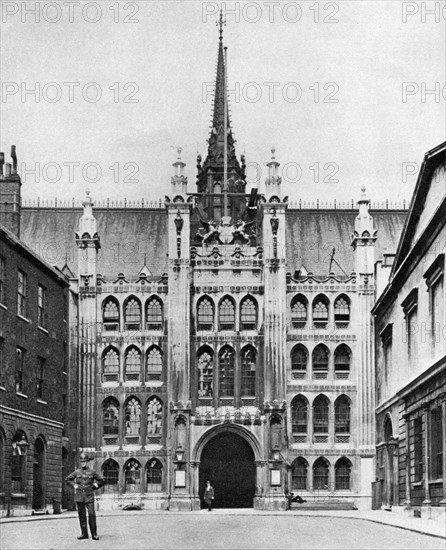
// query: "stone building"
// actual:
[[411, 352], [224, 335], [35, 450]]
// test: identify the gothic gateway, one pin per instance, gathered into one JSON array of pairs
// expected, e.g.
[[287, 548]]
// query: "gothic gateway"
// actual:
[[223, 335]]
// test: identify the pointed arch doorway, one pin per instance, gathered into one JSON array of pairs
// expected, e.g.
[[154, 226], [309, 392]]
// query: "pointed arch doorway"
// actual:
[[228, 461]]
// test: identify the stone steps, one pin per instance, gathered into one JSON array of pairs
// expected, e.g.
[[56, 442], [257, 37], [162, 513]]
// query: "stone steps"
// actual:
[[324, 505]]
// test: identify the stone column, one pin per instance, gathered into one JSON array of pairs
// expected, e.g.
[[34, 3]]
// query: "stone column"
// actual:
[[407, 502]]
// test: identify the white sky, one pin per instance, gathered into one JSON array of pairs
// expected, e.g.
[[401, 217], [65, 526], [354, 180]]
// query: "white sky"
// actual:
[[170, 53]]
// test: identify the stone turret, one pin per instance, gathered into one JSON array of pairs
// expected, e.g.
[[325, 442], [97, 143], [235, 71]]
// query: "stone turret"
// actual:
[[364, 238]]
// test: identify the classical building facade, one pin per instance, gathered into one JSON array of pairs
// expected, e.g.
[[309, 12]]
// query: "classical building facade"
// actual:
[[223, 335], [35, 447], [411, 352]]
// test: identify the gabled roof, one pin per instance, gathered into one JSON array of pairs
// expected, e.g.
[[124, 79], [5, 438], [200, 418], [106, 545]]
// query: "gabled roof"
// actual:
[[432, 159]]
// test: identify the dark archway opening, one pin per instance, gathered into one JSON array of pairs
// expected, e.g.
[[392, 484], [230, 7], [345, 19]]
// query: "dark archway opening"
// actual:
[[227, 461], [38, 475]]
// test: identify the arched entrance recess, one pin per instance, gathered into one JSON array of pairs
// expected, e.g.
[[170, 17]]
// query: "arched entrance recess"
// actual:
[[228, 459], [39, 475]]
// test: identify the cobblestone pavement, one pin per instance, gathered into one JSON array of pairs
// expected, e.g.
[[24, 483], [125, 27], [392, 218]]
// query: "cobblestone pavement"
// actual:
[[208, 531]]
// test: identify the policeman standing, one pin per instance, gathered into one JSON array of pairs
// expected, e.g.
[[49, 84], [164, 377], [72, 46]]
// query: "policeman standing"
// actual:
[[85, 481]]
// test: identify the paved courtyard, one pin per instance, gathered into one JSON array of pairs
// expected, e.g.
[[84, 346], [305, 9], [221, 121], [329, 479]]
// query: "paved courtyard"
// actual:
[[208, 531]]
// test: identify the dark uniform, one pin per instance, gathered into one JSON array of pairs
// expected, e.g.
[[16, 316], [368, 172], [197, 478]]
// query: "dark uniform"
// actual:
[[209, 495], [86, 480]]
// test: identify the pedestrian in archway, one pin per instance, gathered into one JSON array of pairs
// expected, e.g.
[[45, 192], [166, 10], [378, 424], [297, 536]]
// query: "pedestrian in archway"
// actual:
[[85, 481], [209, 495]]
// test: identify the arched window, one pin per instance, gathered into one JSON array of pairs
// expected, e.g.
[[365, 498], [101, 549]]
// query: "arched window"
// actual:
[[320, 415], [110, 473], [342, 360], [343, 468], [342, 415], [132, 364], [320, 361], [226, 359], [299, 415], [321, 469], [248, 364], [154, 417], [110, 314], [110, 365], [205, 314], [205, 367], [299, 474], [226, 314], [132, 476], [154, 314], [132, 419], [342, 311], [299, 361], [299, 306], [248, 314], [154, 364], [320, 311], [18, 462], [154, 475], [110, 420], [132, 314]]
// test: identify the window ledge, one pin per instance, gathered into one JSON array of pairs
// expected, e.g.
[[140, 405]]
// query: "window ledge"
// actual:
[[43, 329], [2, 388], [3, 306], [18, 495], [23, 318], [21, 395], [42, 401], [433, 481], [64, 373], [417, 484]]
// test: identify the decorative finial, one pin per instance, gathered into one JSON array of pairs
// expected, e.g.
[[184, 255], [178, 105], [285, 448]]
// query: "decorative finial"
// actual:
[[273, 150], [179, 149], [220, 24], [87, 192]]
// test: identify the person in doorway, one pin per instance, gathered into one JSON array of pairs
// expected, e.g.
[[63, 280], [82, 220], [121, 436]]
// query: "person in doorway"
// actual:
[[209, 495], [85, 481]]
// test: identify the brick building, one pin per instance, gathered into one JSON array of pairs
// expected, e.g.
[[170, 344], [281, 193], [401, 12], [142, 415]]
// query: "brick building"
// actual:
[[35, 450], [411, 352]]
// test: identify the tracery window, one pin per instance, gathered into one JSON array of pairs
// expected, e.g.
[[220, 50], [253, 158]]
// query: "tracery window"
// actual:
[[133, 417], [110, 314], [248, 364], [343, 469], [320, 361], [299, 361], [110, 365], [132, 476], [299, 474], [154, 364], [320, 415], [248, 314], [205, 314], [342, 359], [154, 314], [320, 474], [154, 475], [299, 415], [110, 473], [342, 415], [132, 313], [110, 420], [342, 311], [299, 311], [205, 365], [132, 364], [154, 417], [320, 311], [226, 359], [227, 314]]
